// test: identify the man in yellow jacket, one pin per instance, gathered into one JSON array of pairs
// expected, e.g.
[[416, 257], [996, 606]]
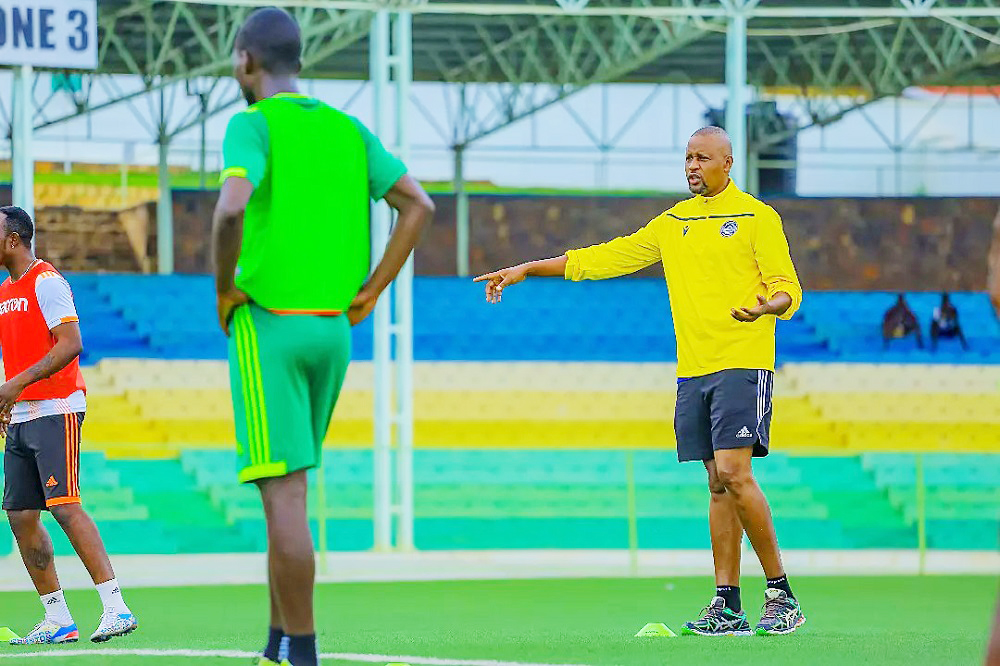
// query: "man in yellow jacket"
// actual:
[[729, 275]]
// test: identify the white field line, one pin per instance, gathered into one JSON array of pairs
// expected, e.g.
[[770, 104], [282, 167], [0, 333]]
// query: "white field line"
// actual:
[[237, 654]]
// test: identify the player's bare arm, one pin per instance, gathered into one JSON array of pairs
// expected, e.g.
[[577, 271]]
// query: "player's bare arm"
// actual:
[[415, 209], [227, 237], [497, 280], [68, 345], [776, 306]]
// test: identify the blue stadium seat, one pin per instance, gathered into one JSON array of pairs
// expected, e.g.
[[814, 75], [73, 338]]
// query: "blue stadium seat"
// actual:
[[541, 320]]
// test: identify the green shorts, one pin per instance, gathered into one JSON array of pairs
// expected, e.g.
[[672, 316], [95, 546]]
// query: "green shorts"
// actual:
[[285, 372]]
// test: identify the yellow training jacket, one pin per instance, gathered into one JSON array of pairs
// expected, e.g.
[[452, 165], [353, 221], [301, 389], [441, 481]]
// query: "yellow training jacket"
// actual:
[[718, 253]]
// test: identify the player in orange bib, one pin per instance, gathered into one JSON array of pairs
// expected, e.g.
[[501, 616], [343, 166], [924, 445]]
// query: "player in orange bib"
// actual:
[[42, 405]]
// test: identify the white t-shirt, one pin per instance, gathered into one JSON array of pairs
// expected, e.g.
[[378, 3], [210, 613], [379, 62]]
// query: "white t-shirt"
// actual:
[[55, 299]]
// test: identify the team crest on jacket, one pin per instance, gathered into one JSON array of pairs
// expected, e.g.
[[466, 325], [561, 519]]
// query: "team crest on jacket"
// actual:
[[729, 228]]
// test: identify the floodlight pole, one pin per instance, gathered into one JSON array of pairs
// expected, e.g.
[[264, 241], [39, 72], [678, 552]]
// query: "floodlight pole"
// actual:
[[381, 344], [461, 215], [736, 98], [165, 202], [203, 148], [391, 59], [402, 38], [22, 158], [461, 193], [164, 212]]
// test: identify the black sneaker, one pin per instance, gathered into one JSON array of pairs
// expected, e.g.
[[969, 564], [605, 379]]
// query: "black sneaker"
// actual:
[[717, 620], [781, 614]]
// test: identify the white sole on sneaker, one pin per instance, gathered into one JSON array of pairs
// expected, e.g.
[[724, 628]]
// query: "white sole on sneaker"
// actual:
[[692, 632], [783, 632], [103, 638]]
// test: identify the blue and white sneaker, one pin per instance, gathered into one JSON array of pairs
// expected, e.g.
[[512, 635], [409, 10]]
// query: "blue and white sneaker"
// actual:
[[48, 632], [114, 624]]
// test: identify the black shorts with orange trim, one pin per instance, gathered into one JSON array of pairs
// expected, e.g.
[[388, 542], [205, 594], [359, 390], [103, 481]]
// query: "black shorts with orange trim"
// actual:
[[41, 463]]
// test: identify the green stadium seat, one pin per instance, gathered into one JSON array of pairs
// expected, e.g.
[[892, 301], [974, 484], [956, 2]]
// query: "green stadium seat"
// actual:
[[539, 498]]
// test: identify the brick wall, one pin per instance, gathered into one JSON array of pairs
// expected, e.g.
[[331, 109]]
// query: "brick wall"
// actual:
[[837, 243]]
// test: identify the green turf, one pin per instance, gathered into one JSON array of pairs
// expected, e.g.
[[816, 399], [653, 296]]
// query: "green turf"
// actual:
[[864, 620]]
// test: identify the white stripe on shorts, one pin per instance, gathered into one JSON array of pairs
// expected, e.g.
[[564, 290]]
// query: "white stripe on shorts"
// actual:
[[765, 386]]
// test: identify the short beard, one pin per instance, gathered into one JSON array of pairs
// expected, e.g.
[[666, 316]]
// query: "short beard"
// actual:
[[699, 189]]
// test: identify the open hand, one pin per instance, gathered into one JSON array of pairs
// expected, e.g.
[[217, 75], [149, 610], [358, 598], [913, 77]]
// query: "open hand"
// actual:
[[228, 301], [497, 280], [754, 313]]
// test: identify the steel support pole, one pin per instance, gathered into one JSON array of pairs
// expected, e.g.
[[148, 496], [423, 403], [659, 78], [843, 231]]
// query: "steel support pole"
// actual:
[[752, 173], [203, 148], [164, 213], [402, 41], [736, 102], [381, 455], [461, 215], [22, 158]]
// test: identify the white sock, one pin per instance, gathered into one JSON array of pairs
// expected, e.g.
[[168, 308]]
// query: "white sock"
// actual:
[[56, 608], [111, 597]]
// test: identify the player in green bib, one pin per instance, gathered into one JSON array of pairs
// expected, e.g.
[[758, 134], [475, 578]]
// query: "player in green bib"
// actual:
[[291, 243]]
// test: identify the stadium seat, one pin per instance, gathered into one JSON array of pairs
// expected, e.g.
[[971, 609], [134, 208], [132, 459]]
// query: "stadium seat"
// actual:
[[525, 415]]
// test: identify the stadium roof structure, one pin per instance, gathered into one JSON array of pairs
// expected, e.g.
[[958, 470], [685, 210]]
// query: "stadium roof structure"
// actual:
[[833, 56]]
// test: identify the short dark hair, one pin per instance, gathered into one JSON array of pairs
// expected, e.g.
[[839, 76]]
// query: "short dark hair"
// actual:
[[274, 39], [18, 222]]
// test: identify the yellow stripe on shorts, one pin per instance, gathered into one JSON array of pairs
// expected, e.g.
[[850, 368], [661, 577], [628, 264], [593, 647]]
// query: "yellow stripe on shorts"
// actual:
[[247, 381], [265, 435]]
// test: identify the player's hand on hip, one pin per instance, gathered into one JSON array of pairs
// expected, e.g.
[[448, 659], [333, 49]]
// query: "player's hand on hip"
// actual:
[[497, 280], [362, 306], [752, 314], [226, 303]]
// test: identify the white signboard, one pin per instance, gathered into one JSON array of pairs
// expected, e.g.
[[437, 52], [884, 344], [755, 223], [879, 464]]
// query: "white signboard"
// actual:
[[49, 33]]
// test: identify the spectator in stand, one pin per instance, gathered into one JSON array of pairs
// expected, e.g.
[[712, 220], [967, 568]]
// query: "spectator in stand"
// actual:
[[899, 322], [944, 323]]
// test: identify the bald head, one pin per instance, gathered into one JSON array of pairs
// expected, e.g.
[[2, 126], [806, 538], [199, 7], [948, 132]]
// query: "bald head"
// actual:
[[708, 160], [273, 38], [717, 134]]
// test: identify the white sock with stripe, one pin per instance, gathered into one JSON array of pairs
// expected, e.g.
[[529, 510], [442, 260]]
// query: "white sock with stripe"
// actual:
[[56, 608], [111, 597]]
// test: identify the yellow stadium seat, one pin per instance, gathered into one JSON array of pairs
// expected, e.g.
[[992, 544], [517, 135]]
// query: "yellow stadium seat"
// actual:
[[153, 407]]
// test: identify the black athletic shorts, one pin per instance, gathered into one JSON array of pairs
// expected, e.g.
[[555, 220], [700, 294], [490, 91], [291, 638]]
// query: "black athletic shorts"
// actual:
[[729, 409], [41, 463]]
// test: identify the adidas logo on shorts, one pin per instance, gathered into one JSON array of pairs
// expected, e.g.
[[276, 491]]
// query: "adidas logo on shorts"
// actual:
[[744, 432]]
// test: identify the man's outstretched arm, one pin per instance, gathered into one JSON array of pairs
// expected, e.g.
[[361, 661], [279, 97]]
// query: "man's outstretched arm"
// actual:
[[497, 280], [621, 256]]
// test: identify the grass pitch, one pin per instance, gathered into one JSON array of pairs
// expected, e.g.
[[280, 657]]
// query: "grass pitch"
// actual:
[[917, 621]]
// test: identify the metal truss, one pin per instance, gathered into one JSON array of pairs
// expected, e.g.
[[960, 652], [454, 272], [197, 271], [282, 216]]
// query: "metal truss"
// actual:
[[515, 57], [167, 45], [546, 50], [520, 65], [844, 71], [657, 9]]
